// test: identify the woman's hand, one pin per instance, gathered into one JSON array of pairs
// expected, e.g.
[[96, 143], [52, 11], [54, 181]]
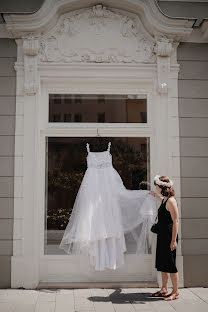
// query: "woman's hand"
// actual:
[[155, 195], [173, 245]]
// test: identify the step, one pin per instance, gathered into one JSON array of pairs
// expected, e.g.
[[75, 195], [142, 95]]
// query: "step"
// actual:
[[150, 284]]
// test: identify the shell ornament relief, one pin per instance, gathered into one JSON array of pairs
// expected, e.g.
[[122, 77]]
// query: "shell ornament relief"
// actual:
[[97, 35]]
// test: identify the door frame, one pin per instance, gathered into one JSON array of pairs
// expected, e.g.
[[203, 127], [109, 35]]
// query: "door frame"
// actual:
[[112, 79]]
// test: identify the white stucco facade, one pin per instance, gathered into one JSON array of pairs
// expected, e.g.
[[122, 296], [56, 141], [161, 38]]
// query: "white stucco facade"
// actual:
[[125, 47]]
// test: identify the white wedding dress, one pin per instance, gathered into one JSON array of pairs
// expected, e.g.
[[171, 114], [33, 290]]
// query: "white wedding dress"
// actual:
[[104, 210]]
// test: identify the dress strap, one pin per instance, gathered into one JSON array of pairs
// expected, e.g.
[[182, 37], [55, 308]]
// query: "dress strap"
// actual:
[[165, 201], [88, 147], [109, 145]]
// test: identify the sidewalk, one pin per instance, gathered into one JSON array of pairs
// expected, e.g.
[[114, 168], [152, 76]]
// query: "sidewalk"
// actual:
[[103, 300]]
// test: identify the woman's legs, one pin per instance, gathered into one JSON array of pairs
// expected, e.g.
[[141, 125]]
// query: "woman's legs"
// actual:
[[165, 276], [174, 279], [164, 289]]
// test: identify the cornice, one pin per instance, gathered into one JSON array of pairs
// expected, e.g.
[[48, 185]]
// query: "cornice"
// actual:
[[155, 22]]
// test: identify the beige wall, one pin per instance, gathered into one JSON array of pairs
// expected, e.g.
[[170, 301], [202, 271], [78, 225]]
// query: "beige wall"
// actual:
[[193, 112], [7, 128]]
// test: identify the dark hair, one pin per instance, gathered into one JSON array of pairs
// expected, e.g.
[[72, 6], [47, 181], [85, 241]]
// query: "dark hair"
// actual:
[[144, 185], [165, 190]]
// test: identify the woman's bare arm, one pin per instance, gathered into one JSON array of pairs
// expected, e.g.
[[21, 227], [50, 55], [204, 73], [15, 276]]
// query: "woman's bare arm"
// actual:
[[173, 209], [156, 195]]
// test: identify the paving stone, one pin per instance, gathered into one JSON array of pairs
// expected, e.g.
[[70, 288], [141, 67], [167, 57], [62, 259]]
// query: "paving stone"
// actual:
[[143, 306], [22, 307], [186, 294], [104, 307], [4, 297], [201, 292], [7, 307], [123, 307], [189, 307], [101, 300], [64, 303], [21, 298], [162, 306], [47, 296], [45, 306], [83, 303]]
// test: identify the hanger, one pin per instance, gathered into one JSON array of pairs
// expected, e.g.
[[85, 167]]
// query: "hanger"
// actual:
[[99, 137], [103, 139]]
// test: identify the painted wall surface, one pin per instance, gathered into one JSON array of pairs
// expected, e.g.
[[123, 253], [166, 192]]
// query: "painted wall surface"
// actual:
[[7, 128], [193, 125], [193, 113]]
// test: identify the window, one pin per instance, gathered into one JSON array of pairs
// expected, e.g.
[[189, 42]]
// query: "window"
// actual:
[[66, 165], [101, 117], [103, 108], [56, 117], [77, 117], [67, 117]]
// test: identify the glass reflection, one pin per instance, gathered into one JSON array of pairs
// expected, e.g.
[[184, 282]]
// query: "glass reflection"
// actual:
[[65, 168], [97, 108]]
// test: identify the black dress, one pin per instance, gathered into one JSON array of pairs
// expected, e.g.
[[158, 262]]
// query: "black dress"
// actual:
[[165, 258]]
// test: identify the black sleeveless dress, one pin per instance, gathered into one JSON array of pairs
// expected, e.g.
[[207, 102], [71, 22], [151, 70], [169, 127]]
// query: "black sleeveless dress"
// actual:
[[165, 258]]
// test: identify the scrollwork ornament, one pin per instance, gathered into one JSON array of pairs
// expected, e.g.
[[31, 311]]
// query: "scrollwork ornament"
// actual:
[[30, 50], [163, 47], [31, 45], [88, 35]]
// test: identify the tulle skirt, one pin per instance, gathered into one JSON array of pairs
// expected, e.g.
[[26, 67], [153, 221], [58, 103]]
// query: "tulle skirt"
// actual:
[[104, 210]]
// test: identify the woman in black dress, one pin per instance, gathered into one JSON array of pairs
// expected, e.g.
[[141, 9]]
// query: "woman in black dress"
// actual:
[[167, 238]]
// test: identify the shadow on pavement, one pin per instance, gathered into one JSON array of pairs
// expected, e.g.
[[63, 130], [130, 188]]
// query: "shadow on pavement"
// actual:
[[118, 297]]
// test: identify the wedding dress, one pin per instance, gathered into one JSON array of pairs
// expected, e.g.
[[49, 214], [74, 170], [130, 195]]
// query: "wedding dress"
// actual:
[[103, 212]]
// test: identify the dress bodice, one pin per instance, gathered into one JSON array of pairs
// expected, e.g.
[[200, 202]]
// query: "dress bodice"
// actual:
[[99, 160]]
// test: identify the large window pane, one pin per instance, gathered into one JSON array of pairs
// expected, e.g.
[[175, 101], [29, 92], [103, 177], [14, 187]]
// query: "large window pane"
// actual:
[[97, 108], [65, 168]]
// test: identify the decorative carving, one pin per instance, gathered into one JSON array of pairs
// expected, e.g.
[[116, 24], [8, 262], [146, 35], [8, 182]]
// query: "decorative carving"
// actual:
[[99, 11], [163, 47], [30, 46], [97, 35], [129, 28], [30, 50], [163, 50]]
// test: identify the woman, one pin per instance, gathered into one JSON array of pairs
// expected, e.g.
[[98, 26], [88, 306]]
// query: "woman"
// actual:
[[167, 238]]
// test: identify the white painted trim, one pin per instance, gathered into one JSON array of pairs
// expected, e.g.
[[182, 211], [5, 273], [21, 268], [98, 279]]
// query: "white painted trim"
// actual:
[[87, 129], [158, 142]]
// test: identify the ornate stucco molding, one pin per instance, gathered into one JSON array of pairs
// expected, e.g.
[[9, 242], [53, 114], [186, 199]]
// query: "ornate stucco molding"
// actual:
[[30, 52], [97, 35], [163, 49], [151, 17], [114, 32]]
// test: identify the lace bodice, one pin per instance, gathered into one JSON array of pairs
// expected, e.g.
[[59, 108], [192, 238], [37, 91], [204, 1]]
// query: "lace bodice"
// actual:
[[99, 160]]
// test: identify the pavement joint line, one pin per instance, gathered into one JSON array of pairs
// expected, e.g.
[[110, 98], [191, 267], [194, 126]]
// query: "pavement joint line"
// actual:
[[198, 295]]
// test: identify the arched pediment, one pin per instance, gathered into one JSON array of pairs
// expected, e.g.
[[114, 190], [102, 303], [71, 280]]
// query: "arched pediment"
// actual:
[[77, 31], [97, 34], [155, 22]]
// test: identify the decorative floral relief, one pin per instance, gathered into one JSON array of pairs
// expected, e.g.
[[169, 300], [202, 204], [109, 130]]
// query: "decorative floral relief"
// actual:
[[98, 35]]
